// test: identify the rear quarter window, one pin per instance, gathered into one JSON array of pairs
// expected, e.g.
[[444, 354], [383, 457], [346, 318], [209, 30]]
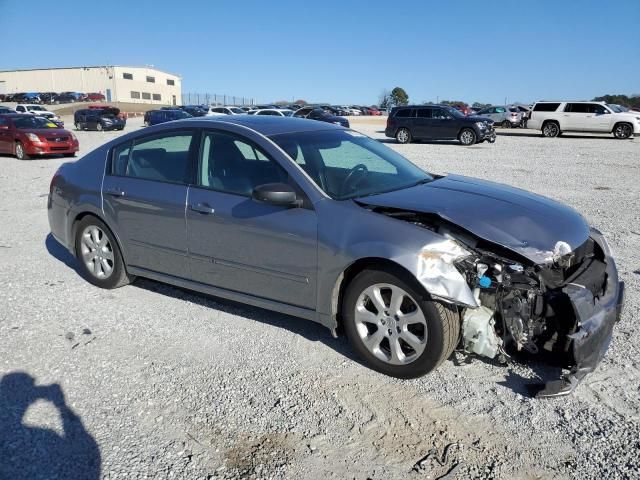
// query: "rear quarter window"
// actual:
[[546, 107], [404, 113]]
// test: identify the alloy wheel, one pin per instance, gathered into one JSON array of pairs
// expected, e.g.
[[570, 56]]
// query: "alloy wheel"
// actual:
[[19, 151], [551, 130], [403, 135], [622, 131], [390, 324], [97, 252], [467, 137]]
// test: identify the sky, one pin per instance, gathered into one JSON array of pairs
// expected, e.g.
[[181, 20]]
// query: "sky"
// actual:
[[343, 51]]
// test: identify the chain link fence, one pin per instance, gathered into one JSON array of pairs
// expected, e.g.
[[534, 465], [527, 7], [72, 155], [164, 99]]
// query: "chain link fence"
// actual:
[[192, 98]]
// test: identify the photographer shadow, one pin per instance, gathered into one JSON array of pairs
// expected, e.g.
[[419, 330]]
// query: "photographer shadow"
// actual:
[[30, 452]]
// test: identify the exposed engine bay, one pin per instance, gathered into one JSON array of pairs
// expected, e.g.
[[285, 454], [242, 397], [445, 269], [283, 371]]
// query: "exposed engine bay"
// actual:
[[562, 307]]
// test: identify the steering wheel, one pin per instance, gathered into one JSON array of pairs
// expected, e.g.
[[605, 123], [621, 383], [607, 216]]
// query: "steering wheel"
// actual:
[[355, 176]]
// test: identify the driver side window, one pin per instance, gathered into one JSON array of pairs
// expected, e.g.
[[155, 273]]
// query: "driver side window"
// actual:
[[232, 164]]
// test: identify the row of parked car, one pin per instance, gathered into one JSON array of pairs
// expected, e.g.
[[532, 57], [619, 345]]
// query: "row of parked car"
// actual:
[[444, 122], [52, 98], [167, 114]]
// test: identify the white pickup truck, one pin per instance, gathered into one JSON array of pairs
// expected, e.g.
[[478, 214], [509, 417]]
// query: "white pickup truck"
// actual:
[[36, 110], [554, 118]]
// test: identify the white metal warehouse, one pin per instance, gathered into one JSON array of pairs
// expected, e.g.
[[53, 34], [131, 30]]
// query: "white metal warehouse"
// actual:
[[117, 83]]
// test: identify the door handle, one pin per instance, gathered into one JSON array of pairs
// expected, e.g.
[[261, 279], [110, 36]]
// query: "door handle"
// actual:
[[202, 208], [116, 192]]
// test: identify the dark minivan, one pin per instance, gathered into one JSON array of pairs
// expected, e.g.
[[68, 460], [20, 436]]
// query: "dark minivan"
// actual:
[[153, 117], [437, 122], [107, 118]]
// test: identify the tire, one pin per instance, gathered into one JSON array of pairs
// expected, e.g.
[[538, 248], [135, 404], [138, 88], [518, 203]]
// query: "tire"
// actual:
[[623, 131], [434, 331], [94, 241], [21, 153], [467, 136], [403, 135], [551, 129], [506, 124]]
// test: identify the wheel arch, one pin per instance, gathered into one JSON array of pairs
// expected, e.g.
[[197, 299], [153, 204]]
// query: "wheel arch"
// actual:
[[74, 230], [622, 122], [368, 263]]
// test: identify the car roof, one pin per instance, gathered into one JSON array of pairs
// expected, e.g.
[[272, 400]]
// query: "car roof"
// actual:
[[266, 124]]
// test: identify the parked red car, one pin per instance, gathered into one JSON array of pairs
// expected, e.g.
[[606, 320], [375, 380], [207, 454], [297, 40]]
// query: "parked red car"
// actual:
[[27, 136], [374, 111], [95, 97]]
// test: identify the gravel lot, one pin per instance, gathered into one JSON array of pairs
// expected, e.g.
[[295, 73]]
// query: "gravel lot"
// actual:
[[162, 383]]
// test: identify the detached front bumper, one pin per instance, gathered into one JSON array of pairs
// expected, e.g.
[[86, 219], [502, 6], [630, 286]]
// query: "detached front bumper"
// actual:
[[595, 317], [487, 135]]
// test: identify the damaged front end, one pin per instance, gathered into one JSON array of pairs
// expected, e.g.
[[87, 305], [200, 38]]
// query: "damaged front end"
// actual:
[[564, 305]]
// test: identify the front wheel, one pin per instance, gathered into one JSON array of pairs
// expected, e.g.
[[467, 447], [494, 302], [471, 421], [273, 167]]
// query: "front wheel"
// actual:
[[21, 153], [622, 131], [468, 137], [99, 255], [403, 135], [394, 328]]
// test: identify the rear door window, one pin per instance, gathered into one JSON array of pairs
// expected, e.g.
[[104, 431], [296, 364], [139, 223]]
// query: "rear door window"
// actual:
[[404, 113], [163, 158], [577, 108], [423, 113]]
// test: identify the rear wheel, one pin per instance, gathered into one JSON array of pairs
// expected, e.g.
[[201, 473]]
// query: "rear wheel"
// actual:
[[506, 124], [21, 153], [99, 255], [550, 129], [467, 137], [403, 135], [622, 130], [394, 328]]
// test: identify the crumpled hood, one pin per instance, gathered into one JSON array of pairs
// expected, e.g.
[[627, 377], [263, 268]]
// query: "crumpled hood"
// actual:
[[523, 222]]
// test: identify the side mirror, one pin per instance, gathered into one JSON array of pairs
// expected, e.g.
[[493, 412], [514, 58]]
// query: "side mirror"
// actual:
[[279, 194]]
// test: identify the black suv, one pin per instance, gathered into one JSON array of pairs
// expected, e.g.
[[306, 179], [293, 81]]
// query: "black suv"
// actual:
[[437, 122], [316, 113], [99, 119]]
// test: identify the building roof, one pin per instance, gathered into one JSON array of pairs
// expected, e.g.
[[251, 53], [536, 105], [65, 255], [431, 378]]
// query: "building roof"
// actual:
[[149, 67]]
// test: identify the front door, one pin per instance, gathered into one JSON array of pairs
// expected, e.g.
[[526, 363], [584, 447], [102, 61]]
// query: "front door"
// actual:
[[239, 244], [444, 123], [144, 195]]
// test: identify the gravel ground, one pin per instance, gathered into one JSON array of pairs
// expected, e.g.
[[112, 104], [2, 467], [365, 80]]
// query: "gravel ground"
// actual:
[[149, 381]]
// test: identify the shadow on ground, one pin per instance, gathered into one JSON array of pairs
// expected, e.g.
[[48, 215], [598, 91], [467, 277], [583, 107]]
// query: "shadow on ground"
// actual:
[[30, 452]]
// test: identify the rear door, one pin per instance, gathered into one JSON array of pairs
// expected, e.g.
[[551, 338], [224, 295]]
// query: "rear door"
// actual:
[[144, 194], [423, 125], [575, 117], [239, 244]]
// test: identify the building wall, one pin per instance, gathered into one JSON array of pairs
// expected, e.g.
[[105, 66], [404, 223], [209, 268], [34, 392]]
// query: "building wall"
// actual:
[[108, 80], [148, 91]]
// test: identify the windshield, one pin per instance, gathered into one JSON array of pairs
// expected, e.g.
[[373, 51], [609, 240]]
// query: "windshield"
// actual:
[[31, 122], [287, 113], [346, 164], [617, 108], [455, 112], [236, 110]]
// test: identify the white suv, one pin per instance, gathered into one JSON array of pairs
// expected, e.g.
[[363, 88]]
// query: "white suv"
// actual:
[[553, 118]]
